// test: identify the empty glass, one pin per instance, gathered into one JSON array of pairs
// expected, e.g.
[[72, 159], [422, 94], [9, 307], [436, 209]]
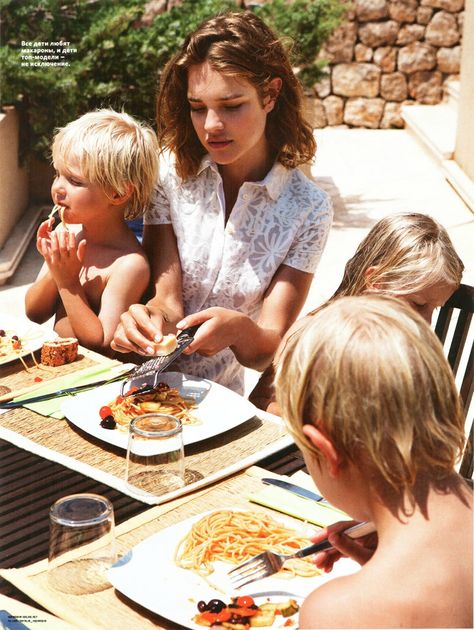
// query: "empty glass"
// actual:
[[155, 455], [81, 543]]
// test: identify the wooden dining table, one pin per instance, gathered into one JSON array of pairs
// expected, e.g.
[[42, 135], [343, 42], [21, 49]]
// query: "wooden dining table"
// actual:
[[44, 458]]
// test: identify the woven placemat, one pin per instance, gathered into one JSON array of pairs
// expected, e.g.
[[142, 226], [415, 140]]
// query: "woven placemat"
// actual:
[[205, 461], [110, 609], [15, 377]]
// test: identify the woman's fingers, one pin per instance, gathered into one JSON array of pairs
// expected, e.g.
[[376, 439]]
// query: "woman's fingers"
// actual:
[[136, 331]]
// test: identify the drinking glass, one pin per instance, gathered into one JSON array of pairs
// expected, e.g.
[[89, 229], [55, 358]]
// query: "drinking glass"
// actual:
[[81, 543], [155, 455]]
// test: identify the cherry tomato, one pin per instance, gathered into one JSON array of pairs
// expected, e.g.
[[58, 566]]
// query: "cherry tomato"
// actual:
[[245, 601], [104, 412]]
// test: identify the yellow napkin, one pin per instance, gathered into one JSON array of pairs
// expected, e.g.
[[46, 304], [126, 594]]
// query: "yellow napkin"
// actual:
[[320, 514], [52, 407]]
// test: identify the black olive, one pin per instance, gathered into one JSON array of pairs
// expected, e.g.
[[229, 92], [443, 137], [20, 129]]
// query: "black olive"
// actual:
[[215, 605], [202, 606], [108, 423], [15, 337], [2, 333]]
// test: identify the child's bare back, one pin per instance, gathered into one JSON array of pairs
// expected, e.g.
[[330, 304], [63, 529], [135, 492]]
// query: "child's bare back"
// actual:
[[420, 576]]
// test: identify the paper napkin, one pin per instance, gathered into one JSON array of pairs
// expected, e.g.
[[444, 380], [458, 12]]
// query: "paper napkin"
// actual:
[[314, 512], [52, 407]]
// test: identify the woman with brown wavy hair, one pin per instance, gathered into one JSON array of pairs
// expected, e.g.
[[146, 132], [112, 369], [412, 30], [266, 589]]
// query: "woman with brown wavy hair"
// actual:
[[236, 230]]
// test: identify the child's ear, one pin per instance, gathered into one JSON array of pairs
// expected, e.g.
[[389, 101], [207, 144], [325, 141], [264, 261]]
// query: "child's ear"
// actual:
[[117, 199], [325, 447], [368, 276]]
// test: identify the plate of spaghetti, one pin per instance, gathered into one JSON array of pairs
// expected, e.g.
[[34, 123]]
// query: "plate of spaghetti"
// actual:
[[205, 408], [19, 338], [177, 570]]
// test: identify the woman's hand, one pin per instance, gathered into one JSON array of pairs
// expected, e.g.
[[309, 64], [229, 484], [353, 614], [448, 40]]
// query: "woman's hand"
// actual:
[[360, 549], [139, 327], [220, 328]]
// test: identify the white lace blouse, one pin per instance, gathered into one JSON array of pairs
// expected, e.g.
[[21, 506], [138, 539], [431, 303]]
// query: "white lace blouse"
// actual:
[[283, 219]]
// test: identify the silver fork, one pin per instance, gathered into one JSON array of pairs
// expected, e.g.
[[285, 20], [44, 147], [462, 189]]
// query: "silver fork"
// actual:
[[269, 562]]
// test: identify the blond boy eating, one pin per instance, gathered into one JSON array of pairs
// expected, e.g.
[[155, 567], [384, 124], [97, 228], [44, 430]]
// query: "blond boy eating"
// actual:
[[370, 399], [106, 167]]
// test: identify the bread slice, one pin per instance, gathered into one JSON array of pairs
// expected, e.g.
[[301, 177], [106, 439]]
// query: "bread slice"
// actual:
[[165, 346]]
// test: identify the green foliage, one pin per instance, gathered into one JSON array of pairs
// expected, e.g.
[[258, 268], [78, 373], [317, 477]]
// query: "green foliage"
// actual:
[[119, 58], [308, 24]]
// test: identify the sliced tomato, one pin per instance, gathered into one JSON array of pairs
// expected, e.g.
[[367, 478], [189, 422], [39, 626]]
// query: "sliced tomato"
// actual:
[[223, 616]]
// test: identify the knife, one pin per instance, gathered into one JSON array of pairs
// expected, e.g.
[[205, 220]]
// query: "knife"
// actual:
[[61, 392], [291, 487]]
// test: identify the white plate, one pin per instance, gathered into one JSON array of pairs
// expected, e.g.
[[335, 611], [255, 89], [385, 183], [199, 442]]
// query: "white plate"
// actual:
[[219, 409], [149, 576], [31, 335]]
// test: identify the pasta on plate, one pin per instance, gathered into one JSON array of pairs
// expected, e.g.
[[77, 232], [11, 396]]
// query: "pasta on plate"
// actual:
[[164, 399], [233, 537]]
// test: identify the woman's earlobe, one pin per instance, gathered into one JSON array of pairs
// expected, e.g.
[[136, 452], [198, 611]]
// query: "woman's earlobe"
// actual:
[[273, 90]]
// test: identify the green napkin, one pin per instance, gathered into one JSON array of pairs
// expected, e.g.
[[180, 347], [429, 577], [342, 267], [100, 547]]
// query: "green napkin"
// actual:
[[320, 514], [52, 407]]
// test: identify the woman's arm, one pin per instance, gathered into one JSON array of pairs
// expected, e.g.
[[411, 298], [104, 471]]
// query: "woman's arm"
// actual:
[[253, 342], [143, 324]]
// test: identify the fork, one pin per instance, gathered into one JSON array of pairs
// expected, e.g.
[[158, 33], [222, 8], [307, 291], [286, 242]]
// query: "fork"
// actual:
[[268, 563]]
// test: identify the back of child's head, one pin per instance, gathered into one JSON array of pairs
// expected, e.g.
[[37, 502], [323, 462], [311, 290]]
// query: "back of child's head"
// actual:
[[241, 45], [401, 254], [113, 150], [370, 373]]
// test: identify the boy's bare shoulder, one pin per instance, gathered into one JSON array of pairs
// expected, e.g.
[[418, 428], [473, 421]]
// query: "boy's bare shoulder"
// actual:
[[335, 604]]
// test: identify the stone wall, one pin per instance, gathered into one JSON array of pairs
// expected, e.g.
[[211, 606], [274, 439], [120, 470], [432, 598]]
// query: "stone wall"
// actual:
[[388, 53]]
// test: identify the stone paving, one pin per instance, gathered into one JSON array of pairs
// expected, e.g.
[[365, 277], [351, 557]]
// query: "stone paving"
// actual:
[[369, 174]]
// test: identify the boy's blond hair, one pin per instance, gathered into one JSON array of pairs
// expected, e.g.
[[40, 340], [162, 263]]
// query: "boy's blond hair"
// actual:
[[113, 150], [370, 373], [409, 251]]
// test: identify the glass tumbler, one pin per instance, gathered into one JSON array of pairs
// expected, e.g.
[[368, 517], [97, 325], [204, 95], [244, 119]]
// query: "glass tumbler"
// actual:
[[155, 455], [81, 543]]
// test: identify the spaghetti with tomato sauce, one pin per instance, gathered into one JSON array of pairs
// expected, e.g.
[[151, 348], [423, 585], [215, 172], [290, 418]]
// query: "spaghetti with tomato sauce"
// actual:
[[164, 399]]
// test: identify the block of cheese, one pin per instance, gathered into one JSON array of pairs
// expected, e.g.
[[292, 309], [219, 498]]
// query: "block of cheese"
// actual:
[[165, 346]]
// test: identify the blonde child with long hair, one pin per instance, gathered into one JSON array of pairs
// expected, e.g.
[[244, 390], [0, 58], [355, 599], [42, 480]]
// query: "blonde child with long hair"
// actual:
[[106, 165], [240, 228], [371, 401], [407, 255]]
